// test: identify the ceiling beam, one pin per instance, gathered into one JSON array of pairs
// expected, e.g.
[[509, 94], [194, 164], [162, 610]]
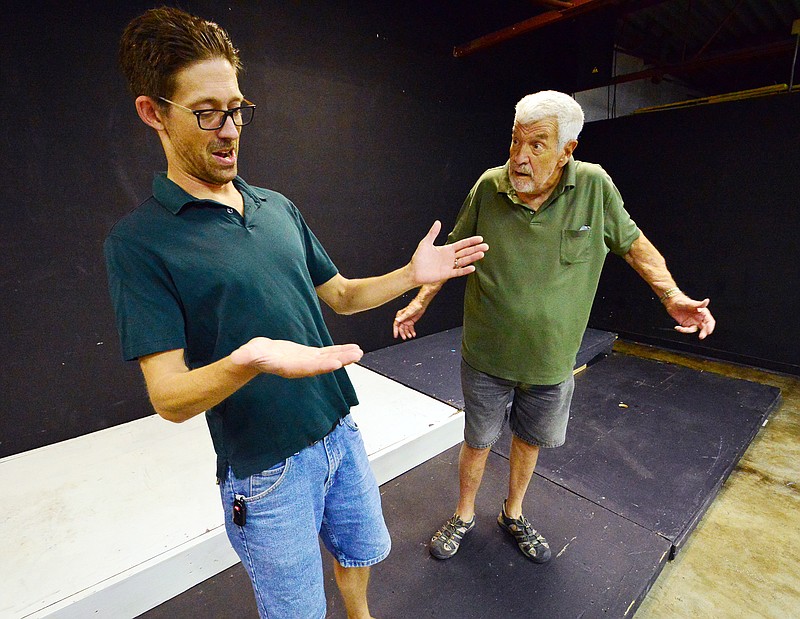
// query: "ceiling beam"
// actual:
[[566, 10], [717, 31], [579, 7], [738, 56], [557, 4]]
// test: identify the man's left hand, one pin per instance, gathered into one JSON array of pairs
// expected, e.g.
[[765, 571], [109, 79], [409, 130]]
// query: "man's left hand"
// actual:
[[692, 316], [431, 263]]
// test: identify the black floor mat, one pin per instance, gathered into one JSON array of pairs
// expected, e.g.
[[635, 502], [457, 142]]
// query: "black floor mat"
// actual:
[[431, 364]]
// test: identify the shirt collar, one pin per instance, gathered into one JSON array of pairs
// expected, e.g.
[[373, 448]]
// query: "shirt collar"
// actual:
[[174, 198]]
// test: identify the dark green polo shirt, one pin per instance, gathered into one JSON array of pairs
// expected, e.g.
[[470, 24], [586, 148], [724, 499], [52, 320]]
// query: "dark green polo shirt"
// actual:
[[527, 304], [194, 274]]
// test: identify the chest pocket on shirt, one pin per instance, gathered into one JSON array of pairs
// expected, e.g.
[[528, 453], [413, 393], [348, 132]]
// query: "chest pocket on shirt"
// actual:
[[575, 246]]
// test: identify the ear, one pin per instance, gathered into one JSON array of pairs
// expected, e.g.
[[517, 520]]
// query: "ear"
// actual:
[[569, 147], [149, 112]]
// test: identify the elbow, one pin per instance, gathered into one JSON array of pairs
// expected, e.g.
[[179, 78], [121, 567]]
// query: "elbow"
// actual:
[[170, 413], [341, 303], [171, 416], [344, 310]]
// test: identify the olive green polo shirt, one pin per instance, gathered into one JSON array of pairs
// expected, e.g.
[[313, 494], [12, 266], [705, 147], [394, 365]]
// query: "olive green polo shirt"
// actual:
[[527, 304], [194, 274]]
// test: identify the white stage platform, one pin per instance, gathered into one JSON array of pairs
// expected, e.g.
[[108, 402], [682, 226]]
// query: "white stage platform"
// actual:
[[114, 523]]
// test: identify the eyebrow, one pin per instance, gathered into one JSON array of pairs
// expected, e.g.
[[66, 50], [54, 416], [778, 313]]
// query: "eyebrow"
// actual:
[[212, 102], [535, 136]]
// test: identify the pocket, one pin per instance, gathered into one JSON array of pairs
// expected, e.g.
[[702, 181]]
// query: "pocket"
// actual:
[[350, 423], [575, 246], [267, 482]]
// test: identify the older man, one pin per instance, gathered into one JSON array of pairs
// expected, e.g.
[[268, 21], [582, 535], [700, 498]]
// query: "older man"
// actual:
[[550, 221], [216, 286]]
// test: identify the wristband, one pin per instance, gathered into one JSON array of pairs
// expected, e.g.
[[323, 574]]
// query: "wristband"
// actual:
[[669, 293]]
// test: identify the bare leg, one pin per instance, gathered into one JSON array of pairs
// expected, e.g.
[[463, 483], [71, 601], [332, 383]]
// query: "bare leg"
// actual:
[[352, 582], [522, 463], [471, 464]]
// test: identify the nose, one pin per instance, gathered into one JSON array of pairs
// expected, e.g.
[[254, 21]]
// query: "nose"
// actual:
[[228, 129], [519, 154]]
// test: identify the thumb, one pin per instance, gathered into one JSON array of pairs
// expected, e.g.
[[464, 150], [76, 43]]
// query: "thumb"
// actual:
[[433, 232], [704, 303], [404, 313]]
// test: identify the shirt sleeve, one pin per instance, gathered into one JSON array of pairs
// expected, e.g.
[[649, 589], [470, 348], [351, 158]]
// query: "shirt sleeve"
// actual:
[[467, 218], [320, 267], [619, 230], [148, 313]]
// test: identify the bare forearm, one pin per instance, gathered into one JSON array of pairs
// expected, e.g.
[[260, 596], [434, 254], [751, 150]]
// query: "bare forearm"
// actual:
[[427, 293], [429, 264], [648, 262], [350, 296], [182, 394]]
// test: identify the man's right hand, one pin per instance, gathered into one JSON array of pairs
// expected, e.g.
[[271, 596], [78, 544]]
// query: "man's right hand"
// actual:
[[292, 360], [406, 318]]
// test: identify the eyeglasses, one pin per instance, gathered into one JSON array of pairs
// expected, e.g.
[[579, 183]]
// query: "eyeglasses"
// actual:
[[211, 120]]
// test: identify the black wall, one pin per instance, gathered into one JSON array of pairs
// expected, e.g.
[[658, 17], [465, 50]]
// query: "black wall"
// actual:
[[716, 188], [365, 121]]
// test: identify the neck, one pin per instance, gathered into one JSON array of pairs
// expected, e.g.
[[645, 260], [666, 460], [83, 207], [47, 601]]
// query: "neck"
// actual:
[[537, 198], [226, 194]]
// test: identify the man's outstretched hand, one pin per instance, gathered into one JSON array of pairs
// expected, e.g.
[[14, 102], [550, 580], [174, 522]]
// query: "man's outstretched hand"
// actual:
[[292, 360], [432, 263], [692, 316]]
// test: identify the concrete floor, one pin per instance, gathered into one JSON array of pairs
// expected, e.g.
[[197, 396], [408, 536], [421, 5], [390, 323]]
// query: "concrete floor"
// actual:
[[743, 559]]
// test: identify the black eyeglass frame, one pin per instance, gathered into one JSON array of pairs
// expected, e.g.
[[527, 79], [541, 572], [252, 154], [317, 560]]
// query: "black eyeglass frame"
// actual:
[[225, 114]]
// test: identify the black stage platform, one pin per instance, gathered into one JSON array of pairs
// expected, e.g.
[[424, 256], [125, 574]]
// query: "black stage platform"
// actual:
[[430, 364], [648, 447]]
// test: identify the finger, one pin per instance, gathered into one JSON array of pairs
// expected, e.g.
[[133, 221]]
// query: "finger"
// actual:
[[345, 353], [433, 232], [708, 326], [469, 259], [682, 329], [462, 271], [327, 365], [340, 348], [468, 242], [472, 249], [407, 331]]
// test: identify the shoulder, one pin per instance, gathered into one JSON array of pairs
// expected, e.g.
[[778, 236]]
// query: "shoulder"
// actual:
[[140, 220], [493, 175], [491, 180], [591, 172]]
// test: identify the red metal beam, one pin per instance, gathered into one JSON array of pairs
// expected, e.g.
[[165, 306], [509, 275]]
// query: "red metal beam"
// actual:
[[742, 55], [557, 4], [579, 7], [717, 31]]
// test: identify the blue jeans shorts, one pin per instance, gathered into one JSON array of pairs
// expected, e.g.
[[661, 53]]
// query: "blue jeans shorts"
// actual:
[[326, 491], [538, 416]]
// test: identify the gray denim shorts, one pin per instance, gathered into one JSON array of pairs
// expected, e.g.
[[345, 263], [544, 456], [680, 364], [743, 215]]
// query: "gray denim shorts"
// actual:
[[539, 413]]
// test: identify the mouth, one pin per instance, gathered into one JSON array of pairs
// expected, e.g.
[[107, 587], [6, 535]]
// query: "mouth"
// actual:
[[226, 157]]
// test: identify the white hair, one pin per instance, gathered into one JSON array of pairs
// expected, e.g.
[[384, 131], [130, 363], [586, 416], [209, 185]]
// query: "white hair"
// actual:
[[549, 104]]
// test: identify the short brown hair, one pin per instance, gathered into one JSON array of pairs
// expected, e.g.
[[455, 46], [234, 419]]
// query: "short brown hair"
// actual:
[[161, 42]]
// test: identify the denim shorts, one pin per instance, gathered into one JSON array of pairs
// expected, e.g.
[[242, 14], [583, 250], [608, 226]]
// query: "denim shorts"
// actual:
[[539, 413], [326, 491]]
